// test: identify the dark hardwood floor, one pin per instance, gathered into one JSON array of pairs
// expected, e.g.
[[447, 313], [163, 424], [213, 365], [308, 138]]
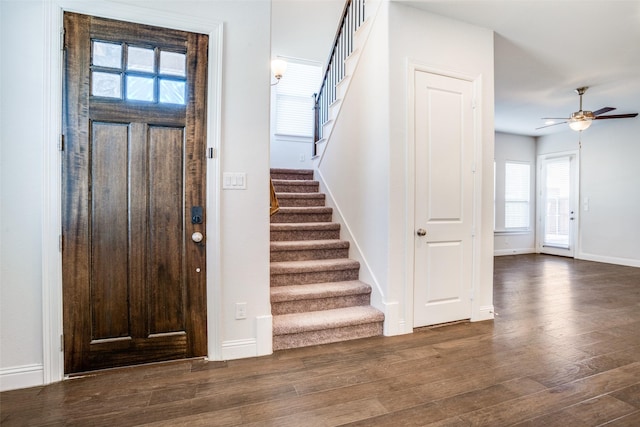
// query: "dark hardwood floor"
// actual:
[[564, 350]]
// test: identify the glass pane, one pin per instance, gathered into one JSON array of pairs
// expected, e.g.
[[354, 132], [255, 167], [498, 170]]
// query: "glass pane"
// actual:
[[140, 59], [172, 92], [107, 54], [140, 88], [105, 84], [557, 210], [173, 63]]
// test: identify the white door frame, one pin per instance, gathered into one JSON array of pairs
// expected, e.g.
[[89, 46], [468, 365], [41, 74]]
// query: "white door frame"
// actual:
[[412, 67], [575, 225], [53, 356]]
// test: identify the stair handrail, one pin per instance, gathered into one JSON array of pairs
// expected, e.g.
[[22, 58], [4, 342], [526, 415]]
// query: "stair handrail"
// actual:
[[353, 15]]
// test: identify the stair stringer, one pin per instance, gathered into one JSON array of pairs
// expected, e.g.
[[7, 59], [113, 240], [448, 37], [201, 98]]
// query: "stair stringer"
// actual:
[[360, 40], [392, 325]]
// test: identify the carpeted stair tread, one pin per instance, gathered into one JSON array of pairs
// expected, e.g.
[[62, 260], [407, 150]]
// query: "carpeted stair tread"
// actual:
[[305, 209], [295, 231], [298, 250], [300, 199], [301, 214], [305, 226], [319, 290], [283, 173], [295, 186], [307, 266], [325, 319], [300, 182], [300, 245]]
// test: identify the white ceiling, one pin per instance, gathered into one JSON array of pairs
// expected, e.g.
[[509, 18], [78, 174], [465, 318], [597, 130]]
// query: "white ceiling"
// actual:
[[545, 49]]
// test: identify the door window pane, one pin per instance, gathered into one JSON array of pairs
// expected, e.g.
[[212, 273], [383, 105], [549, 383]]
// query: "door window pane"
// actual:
[[171, 91], [557, 221], [173, 63], [106, 84], [140, 88], [138, 73], [140, 59], [107, 54]]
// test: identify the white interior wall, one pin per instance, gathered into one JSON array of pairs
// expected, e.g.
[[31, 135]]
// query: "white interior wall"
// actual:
[[354, 167], [609, 231], [21, 171], [517, 148], [306, 39], [458, 48], [365, 164], [243, 147]]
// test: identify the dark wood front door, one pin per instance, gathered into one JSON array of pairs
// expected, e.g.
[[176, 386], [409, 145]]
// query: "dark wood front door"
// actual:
[[133, 168]]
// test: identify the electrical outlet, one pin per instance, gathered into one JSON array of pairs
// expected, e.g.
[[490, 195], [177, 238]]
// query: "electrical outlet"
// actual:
[[241, 310]]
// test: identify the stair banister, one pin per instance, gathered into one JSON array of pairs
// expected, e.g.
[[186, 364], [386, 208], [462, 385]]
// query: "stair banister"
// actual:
[[352, 18]]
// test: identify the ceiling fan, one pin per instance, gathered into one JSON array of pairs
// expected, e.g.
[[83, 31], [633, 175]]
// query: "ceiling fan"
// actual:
[[581, 119]]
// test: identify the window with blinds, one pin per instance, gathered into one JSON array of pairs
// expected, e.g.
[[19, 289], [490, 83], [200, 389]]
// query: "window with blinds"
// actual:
[[517, 195], [294, 99]]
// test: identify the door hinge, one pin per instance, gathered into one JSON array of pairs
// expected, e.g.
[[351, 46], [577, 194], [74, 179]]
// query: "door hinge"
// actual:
[[212, 153], [61, 342], [61, 143], [60, 243], [63, 45]]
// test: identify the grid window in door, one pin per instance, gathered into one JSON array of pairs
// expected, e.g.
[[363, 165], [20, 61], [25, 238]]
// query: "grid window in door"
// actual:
[[137, 73]]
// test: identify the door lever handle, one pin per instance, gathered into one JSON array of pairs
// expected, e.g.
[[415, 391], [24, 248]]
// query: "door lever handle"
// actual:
[[421, 232]]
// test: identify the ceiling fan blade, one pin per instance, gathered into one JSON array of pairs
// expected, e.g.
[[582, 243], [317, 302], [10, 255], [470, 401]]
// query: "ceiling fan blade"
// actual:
[[555, 124], [603, 110], [554, 118], [617, 116]]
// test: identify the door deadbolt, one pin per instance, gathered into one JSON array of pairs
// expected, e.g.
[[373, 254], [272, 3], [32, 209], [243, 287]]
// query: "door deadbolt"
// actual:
[[421, 232], [196, 214]]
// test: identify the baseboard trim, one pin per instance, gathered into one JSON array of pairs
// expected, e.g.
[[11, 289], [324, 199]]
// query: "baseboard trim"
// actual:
[[391, 319], [21, 377], [514, 251], [264, 335], [485, 312], [609, 260], [239, 349]]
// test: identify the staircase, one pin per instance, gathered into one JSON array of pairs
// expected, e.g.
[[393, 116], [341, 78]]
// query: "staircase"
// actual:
[[316, 297]]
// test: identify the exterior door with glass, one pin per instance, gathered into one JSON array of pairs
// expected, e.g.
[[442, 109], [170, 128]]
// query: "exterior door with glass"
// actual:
[[133, 192], [558, 204]]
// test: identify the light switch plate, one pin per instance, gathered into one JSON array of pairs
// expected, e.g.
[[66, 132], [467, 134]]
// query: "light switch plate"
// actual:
[[234, 181]]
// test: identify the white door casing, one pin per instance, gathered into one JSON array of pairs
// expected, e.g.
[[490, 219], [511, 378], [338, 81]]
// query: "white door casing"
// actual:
[[53, 369], [444, 198]]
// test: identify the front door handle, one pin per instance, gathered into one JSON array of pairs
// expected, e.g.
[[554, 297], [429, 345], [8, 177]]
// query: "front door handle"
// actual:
[[421, 232], [197, 237]]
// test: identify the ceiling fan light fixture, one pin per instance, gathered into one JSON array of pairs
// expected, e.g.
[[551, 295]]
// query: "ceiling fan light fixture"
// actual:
[[580, 125]]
